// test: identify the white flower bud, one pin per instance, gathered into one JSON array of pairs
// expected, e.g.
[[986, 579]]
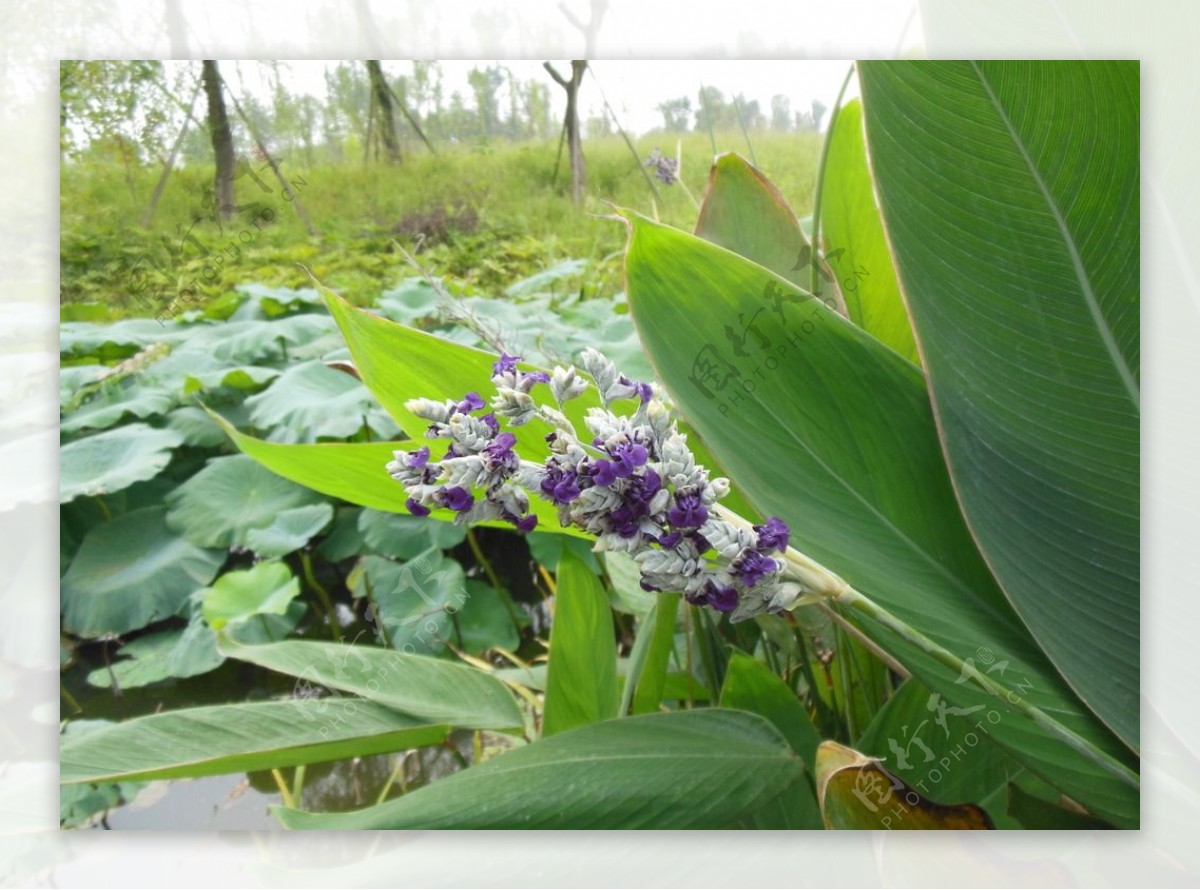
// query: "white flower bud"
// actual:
[[518, 407]]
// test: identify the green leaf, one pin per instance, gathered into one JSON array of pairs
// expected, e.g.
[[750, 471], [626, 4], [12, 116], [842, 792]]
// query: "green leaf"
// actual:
[[116, 400], [833, 432], [745, 213], [406, 536], [161, 656], [581, 682], [942, 753], [266, 589], [413, 603], [426, 688], [646, 680], [690, 769], [241, 738], [311, 401], [857, 794], [486, 619], [547, 548], [750, 686], [290, 530], [132, 571], [232, 495], [113, 460], [858, 251], [1027, 314]]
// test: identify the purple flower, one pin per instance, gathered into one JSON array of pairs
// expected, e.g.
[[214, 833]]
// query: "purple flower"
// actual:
[[603, 472], [455, 498], [415, 508], [670, 541], [560, 485], [723, 599], [644, 391], [773, 535], [688, 511], [628, 458], [538, 377], [528, 524], [500, 454], [753, 567], [472, 401], [507, 364], [419, 458], [490, 420]]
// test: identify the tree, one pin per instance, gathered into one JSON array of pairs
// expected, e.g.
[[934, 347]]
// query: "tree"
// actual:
[[676, 114], [382, 100], [222, 140], [571, 125], [485, 84], [781, 113]]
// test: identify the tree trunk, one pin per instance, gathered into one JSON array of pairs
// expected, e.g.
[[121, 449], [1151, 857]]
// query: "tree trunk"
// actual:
[[387, 118], [571, 125], [222, 141]]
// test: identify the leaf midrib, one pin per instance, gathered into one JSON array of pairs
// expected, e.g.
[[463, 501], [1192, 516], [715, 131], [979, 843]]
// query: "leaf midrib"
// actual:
[[1085, 284]]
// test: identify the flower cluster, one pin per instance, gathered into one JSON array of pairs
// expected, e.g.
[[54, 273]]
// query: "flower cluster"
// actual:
[[666, 168], [631, 481]]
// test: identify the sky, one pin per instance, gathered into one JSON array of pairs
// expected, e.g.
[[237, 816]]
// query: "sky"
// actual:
[[634, 88]]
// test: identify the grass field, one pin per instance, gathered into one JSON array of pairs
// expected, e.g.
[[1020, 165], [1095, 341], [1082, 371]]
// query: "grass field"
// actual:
[[483, 216]]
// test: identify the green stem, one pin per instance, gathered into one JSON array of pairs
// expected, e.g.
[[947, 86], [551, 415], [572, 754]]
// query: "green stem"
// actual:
[[322, 595], [819, 582], [492, 577], [852, 599], [820, 187], [298, 782]]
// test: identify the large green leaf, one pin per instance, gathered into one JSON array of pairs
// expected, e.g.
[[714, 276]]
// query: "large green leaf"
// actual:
[[406, 536], [833, 432], [745, 213], [113, 460], [857, 249], [706, 768], [941, 754], [311, 401], [130, 572], [1018, 253], [750, 686], [221, 504], [581, 681], [243, 737], [428, 688], [290, 530], [413, 604]]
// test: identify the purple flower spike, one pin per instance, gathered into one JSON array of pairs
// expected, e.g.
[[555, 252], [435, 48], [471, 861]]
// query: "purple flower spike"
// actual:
[[506, 364], [415, 508], [753, 567], [604, 472], [456, 498], [528, 524], [472, 401], [419, 458], [723, 599], [773, 535], [688, 512]]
